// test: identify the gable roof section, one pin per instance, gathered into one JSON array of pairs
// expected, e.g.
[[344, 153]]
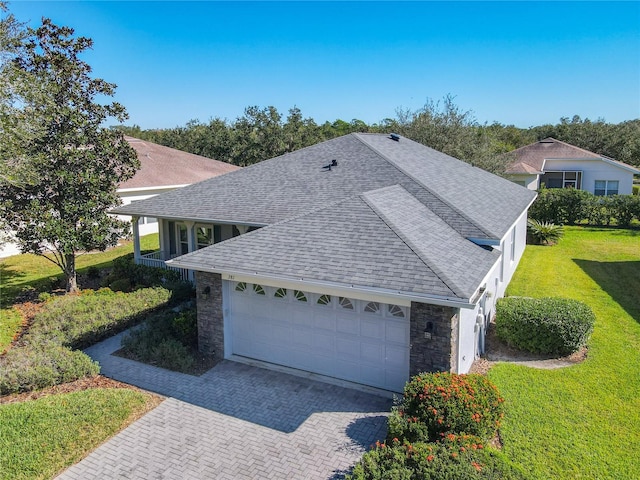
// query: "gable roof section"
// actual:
[[531, 158], [458, 263], [474, 203], [372, 240], [162, 166], [491, 202]]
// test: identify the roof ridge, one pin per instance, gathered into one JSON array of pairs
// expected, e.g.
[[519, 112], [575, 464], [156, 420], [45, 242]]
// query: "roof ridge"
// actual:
[[408, 242], [407, 174], [574, 146]]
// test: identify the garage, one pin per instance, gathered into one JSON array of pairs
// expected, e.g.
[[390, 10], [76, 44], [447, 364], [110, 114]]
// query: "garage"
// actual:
[[360, 341]]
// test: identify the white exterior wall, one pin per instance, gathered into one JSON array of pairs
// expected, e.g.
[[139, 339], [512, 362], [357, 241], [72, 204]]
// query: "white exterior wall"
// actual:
[[593, 170], [472, 329], [530, 181], [129, 195]]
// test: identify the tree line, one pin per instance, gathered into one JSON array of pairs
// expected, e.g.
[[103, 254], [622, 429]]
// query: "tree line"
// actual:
[[263, 133]]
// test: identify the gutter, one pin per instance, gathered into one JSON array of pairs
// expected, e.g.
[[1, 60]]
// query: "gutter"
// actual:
[[318, 286]]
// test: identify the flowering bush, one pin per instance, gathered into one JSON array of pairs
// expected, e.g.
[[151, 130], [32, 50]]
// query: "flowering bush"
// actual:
[[436, 404], [456, 457]]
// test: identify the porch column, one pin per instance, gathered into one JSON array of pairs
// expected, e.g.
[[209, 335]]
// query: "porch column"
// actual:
[[162, 244], [191, 238], [136, 239], [242, 229]]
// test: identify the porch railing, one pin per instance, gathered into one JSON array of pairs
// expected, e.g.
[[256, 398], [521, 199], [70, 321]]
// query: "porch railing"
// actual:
[[154, 259]]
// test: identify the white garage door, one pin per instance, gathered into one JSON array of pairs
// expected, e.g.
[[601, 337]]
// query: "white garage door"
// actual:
[[359, 341]]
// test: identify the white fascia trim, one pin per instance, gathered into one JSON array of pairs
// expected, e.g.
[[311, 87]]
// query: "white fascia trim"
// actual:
[[623, 166], [209, 221], [150, 189], [319, 286], [610, 161]]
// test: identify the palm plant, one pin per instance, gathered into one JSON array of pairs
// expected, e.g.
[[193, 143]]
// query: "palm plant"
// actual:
[[544, 233]]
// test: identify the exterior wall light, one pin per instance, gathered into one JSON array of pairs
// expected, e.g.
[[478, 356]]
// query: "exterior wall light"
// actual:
[[428, 331]]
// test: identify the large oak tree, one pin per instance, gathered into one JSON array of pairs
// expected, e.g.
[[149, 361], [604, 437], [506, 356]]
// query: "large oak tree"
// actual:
[[55, 126]]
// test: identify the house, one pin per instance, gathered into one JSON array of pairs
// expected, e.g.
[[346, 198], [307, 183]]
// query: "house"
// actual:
[[163, 169], [367, 258], [555, 164]]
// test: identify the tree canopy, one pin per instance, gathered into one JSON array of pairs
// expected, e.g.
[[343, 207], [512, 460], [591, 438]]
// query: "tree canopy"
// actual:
[[52, 122], [262, 133]]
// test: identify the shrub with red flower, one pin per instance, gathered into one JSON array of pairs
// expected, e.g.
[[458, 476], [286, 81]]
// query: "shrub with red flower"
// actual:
[[436, 404], [446, 460]]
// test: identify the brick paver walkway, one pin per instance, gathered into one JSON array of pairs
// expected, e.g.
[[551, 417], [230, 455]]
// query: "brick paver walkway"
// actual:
[[234, 422]]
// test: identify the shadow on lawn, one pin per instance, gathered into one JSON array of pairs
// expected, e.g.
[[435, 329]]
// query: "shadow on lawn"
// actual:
[[621, 280]]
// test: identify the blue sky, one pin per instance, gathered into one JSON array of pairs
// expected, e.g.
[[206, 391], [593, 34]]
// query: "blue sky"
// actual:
[[521, 63]]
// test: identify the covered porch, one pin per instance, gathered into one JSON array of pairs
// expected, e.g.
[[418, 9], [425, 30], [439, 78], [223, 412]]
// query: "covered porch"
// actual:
[[178, 237]]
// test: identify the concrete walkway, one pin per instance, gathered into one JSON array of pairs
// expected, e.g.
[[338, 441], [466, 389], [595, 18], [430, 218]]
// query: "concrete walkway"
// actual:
[[234, 422]]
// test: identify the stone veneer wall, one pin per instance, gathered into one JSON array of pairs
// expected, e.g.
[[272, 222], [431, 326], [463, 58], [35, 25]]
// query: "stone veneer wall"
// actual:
[[210, 319], [438, 354]]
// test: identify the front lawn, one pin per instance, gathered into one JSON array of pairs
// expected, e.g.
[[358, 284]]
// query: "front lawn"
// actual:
[[581, 422], [39, 438]]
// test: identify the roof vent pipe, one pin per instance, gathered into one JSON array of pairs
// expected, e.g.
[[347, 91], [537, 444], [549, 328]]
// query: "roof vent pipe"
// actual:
[[395, 137]]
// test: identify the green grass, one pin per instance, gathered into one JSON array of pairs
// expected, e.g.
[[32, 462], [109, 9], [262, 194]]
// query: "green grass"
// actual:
[[581, 422], [40, 438], [21, 272]]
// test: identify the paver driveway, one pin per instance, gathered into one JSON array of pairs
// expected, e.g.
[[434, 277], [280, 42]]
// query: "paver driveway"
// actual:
[[234, 422]]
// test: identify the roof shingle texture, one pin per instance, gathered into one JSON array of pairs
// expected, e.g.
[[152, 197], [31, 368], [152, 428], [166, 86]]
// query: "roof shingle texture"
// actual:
[[530, 158], [474, 203], [162, 166], [373, 240]]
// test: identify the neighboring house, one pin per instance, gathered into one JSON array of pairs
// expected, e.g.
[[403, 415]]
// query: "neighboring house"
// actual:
[[556, 164], [385, 265], [163, 169]]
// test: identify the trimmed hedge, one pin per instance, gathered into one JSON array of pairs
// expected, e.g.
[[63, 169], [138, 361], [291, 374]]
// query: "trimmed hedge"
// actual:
[[570, 206], [457, 457], [555, 326], [127, 276], [436, 404]]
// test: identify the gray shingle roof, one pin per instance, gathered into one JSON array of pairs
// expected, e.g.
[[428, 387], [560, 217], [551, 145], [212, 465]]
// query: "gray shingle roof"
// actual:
[[473, 202], [384, 238]]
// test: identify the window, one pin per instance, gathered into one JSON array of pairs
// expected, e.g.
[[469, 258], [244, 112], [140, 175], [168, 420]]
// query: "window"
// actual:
[[258, 290], [345, 303], [280, 293], [147, 220], [241, 287], [324, 300], [300, 296], [571, 179], [183, 238], [513, 244], [204, 236], [372, 307], [396, 311], [606, 187]]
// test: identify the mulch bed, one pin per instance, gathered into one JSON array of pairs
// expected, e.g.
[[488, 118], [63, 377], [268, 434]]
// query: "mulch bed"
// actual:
[[498, 351]]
